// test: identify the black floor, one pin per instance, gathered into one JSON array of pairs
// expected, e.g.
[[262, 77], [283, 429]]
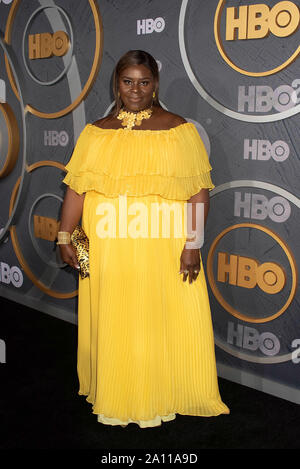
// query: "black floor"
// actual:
[[40, 407]]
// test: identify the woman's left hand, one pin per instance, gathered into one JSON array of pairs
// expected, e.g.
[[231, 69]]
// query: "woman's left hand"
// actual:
[[190, 264]]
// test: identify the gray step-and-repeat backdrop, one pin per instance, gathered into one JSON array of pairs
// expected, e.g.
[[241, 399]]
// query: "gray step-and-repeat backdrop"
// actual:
[[232, 68]]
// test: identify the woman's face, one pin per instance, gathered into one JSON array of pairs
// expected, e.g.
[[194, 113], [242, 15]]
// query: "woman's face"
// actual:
[[136, 86]]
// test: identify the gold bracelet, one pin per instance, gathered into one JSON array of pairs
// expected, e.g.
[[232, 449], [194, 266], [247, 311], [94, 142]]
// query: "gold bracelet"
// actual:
[[63, 237]]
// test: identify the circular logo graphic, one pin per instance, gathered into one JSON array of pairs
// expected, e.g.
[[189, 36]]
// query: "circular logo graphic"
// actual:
[[11, 141], [247, 273], [251, 270], [57, 44], [46, 45], [256, 22], [42, 234], [221, 84]]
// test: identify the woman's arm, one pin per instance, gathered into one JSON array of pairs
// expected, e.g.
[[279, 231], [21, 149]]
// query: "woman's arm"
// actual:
[[70, 216], [71, 210], [203, 198], [190, 258]]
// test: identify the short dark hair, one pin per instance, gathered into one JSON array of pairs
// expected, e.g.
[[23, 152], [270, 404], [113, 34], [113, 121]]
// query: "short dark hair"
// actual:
[[134, 57]]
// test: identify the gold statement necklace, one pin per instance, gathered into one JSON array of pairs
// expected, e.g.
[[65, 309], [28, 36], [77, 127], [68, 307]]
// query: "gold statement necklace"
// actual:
[[130, 119]]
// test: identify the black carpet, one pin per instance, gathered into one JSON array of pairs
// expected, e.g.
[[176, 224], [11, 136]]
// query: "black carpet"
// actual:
[[40, 407]]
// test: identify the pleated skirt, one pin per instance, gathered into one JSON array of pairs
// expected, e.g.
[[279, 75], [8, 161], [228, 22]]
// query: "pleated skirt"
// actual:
[[145, 337]]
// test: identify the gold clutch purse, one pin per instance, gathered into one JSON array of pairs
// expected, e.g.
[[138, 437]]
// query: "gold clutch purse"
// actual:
[[80, 242]]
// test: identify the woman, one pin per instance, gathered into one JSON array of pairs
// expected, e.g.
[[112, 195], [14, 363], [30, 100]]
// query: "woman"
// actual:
[[145, 339]]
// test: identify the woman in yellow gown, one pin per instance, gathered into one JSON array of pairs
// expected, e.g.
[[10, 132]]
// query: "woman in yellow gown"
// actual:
[[145, 337]]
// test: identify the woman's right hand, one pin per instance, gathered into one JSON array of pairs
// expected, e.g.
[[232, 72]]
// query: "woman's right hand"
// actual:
[[68, 255]]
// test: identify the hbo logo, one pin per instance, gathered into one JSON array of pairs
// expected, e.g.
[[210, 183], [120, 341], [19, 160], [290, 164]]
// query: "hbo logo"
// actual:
[[250, 339], [246, 272], [147, 26], [255, 21], [264, 98], [258, 207], [54, 138], [42, 46], [264, 150], [11, 275]]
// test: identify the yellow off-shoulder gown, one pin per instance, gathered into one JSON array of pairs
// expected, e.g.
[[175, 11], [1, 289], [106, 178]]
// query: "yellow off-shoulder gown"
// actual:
[[145, 337]]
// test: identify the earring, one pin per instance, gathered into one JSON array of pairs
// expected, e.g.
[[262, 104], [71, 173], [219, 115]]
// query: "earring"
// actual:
[[153, 95]]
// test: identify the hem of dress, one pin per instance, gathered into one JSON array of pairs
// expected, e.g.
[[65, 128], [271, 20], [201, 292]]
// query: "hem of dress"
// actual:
[[156, 421]]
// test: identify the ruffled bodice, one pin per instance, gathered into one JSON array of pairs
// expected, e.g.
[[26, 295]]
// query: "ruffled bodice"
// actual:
[[171, 163]]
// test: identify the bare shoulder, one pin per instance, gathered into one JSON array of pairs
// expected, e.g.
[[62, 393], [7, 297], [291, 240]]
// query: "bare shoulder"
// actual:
[[177, 120], [169, 119], [104, 122]]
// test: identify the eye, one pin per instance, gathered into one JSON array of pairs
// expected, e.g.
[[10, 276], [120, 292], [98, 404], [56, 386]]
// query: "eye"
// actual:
[[126, 81], [144, 83]]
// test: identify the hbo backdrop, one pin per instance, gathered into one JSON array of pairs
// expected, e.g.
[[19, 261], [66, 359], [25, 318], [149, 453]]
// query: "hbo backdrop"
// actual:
[[232, 68]]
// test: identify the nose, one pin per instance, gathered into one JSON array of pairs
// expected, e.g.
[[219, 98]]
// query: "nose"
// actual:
[[134, 87]]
